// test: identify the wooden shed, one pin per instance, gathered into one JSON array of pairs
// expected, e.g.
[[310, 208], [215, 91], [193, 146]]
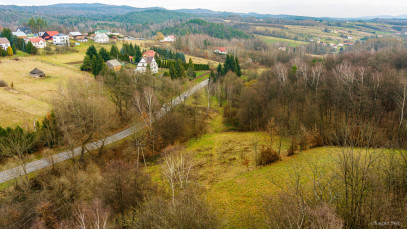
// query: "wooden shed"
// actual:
[[37, 73], [114, 65]]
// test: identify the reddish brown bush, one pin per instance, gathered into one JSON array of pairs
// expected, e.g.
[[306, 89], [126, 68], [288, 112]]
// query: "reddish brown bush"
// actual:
[[268, 156]]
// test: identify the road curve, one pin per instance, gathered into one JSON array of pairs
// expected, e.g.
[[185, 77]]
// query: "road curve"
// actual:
[[45, 162]]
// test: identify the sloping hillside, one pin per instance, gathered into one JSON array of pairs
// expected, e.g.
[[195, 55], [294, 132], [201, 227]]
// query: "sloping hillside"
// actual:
[[199, 26], [155, 16]]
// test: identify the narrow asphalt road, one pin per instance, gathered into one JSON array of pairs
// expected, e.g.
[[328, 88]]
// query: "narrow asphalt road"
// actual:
[[45, 162]]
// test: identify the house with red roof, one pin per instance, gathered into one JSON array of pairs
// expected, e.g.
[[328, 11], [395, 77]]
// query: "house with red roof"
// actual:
[[170, 38], [38, 42], [49, 34], [150, 53], [221, 50]]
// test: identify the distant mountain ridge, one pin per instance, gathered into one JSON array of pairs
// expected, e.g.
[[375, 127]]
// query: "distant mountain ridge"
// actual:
[[86, 9], [77, 9]]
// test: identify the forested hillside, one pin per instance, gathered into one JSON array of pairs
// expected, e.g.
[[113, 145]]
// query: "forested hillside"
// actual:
[[154, 16], [199, 26]]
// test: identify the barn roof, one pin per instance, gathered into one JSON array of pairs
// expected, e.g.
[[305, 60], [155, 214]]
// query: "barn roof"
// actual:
[[113, 63], [75, 34], [36, 39], [149, 53], [19, 34], [36, 71], [4, 40], [52, 33]]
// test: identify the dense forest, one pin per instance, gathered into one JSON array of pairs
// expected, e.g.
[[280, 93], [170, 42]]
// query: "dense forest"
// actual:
[[341, 98], [199, 26], [151, 16]]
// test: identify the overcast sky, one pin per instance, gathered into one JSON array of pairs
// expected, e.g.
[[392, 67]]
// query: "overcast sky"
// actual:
[[318, 8]]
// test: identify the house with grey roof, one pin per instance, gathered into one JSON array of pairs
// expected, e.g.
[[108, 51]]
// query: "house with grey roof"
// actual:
[[4, 43], [25, 30], [147, 61], [73, 35], [20, 34]]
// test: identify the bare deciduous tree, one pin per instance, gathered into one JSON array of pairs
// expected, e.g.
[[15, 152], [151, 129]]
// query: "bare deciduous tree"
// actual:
[[147, 107], [401, 100], [281, 72], [83, 114], [176, 171], [93, 215]]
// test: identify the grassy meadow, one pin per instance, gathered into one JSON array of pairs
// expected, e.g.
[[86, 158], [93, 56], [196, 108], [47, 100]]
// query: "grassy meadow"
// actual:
[[30, 98], [235, 190]]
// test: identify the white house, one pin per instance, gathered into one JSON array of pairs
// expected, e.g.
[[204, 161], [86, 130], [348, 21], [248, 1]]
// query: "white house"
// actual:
[[81, 39], [142, 65], [38, 42], [221, 50], [4, 43], [61, 39], [101, 38], [170, 38]]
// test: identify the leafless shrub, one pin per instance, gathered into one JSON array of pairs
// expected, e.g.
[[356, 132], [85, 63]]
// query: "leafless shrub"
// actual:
[[3, 83], [268, 156], [188, 210]]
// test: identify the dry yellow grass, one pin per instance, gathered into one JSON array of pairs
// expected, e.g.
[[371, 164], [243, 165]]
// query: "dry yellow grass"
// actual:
[[18, 108], [199, 60], [30, 97]]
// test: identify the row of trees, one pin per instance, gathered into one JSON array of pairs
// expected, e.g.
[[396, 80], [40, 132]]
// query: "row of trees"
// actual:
[[167, 64], [126, 51], [313, 97], [168, 54]]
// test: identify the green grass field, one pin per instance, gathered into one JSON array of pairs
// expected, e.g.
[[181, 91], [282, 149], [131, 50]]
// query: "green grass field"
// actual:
[[237, 191], [273, 40]]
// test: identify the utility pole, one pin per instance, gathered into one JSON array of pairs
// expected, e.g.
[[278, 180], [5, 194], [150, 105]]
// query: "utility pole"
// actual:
[[209, 83], [140, 148]]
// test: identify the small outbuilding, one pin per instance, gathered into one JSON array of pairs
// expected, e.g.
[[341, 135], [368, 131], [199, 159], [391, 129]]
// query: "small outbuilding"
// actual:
[[114, 65], [37, 73]]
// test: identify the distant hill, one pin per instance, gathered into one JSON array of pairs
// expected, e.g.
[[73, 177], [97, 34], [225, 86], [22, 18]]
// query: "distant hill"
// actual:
[[155, 16], [105, 9], [98, 8], [75, 9], [211, 13], [199, 26]]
